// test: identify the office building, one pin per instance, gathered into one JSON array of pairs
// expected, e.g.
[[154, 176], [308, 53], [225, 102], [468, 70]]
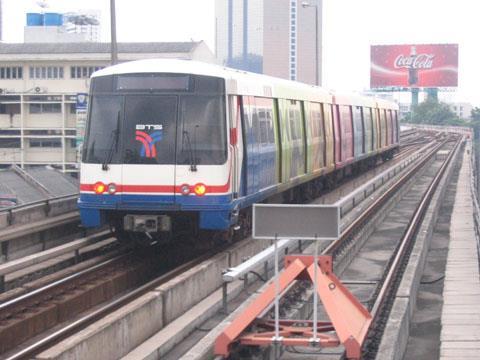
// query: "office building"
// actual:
[[274, 37]]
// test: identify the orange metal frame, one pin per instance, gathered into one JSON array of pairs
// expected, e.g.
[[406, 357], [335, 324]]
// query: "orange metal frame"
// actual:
[[349, 320]]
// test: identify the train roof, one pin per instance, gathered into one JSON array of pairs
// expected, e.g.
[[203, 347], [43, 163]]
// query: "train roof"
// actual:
[[239, 81]]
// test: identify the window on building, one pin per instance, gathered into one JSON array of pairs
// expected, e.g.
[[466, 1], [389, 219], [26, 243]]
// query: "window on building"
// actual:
[[46, 72], [46, 143], [11, 72], [9, 143], [45, 108], [9, 109], [83, 72]]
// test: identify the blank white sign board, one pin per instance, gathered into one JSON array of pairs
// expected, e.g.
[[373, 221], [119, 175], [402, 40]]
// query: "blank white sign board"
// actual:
[[287, 221]]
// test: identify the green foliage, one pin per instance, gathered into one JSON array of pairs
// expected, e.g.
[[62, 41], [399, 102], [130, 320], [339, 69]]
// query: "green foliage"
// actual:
[[435, 113], [476, 114], [476, 122]]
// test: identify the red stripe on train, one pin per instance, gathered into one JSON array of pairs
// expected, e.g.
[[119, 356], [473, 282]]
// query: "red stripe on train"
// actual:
[[159, 188]]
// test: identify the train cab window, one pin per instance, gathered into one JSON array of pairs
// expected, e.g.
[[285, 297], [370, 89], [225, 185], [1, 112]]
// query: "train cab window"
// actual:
[[106, 114], [202, 130], [150, 127]]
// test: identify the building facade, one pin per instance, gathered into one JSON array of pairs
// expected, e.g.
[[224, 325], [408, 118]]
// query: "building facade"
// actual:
[[462, 109], [273, 37], [39, 88]]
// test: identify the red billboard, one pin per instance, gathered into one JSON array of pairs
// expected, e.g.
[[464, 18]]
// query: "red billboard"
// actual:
[[432, 65]]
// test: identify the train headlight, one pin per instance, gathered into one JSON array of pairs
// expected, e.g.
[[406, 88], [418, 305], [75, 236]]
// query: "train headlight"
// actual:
[[185, 189], [200, 189], [99, 187], [112, 188]]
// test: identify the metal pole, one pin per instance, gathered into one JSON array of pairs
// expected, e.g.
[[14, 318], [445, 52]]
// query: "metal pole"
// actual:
[[317, 82], [277, 291], [113, 34], [315, 293]]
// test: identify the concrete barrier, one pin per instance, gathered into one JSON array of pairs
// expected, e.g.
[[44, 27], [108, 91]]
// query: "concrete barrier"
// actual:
[[114, 335], [120, 332], [184, 291]]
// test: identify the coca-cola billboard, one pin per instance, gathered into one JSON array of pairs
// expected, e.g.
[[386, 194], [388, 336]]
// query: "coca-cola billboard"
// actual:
[[433, 65]]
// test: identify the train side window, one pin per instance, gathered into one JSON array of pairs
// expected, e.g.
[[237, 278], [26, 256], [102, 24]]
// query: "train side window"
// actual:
[[317, 120], [265, 119], [262, 121]]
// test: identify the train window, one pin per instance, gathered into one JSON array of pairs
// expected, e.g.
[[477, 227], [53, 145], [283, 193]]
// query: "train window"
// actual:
[[207, 84], [102, 84], [265, 115], [262, 121], [106, 113], [316, 120], [149, 82], [150, 127], [202, 121]]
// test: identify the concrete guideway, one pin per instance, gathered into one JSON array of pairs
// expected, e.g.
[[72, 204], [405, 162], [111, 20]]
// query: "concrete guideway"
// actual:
[[460, 332]]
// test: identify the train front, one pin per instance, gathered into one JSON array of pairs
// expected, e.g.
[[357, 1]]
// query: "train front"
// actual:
[[155, 157]]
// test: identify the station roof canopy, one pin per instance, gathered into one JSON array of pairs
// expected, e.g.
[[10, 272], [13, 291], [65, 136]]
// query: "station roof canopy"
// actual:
[[35, 184]]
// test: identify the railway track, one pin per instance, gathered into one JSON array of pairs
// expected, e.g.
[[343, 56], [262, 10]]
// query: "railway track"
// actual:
[[342, 247], [379, 303], [87, 319]]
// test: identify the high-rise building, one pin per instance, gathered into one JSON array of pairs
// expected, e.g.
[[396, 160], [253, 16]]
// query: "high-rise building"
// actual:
[[274, 37], [1, 24]]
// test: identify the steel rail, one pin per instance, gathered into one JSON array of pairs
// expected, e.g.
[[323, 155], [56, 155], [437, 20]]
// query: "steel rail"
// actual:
[[410, 233], [333, 247], [56, 284], [48, 341]]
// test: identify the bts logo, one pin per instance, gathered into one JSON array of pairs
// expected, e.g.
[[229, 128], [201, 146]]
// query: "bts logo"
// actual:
[[148, 135]]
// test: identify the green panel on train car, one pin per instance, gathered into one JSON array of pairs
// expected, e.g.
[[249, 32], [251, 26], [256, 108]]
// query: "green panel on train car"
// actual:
[[278, 142]]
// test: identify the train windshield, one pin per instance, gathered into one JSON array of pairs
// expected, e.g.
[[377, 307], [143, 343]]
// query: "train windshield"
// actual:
[[165, 119]]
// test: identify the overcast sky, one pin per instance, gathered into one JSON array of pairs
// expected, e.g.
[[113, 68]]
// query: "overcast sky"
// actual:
[[350, 27]]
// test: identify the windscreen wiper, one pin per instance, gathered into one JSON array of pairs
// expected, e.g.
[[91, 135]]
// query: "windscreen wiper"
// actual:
[[186, 136], [113, 145]]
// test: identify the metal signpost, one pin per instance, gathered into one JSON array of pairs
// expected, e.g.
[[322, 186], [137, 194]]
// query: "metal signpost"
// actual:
[[306, 222], [347, 328]]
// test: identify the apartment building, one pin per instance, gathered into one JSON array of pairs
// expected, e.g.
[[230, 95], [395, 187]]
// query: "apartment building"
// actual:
[[42, 87], [462, 109]]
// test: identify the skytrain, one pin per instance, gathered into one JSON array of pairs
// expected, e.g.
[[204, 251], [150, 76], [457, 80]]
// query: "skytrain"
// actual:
[[176, 144]]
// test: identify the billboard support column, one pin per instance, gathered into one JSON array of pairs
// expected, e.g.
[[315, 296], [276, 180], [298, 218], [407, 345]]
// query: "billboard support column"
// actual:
[[414, 97]]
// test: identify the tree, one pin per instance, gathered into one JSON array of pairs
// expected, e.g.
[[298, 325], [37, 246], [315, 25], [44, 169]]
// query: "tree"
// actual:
[[435, 113], [476, 122]]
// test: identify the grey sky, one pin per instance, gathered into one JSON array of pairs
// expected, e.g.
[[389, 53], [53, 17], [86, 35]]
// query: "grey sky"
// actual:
[[350, 26]]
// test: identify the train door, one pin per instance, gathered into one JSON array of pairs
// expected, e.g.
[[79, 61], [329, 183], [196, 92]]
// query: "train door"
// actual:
[[329, 136], [149, 139], [236, 143], [266, 143], [337, 131], [251, 146]]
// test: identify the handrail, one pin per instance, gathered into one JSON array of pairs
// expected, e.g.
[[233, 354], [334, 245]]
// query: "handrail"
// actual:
[[38, 202]]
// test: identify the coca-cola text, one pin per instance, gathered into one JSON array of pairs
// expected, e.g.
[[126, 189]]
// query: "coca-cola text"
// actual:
[[420, 61]]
